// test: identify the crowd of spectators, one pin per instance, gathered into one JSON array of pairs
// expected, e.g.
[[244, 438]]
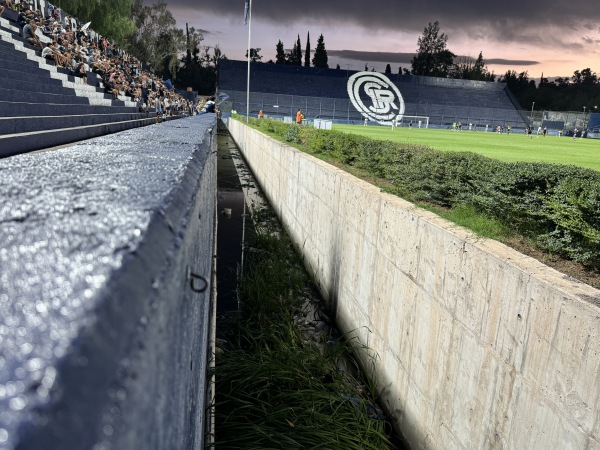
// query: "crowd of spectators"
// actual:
[[77, 48]]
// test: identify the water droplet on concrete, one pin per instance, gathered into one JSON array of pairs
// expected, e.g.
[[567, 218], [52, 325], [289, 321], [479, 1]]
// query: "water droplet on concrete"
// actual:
[[18, 403]]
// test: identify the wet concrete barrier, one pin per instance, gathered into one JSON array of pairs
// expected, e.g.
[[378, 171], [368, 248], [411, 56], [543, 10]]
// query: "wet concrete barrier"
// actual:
[[106, 261], [478, 346]]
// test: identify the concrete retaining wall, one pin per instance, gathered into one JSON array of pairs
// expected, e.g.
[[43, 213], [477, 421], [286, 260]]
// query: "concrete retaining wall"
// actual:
[[104, 248], [479, 346]]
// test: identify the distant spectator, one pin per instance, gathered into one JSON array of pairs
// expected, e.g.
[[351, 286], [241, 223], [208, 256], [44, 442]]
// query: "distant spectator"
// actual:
[[5, 4], [145, 94], [29, 34], [210, 105], [79, 71], [48, 52]]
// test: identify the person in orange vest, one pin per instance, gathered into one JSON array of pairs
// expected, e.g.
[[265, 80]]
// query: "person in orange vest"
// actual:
[[299, 117], [260, 114]]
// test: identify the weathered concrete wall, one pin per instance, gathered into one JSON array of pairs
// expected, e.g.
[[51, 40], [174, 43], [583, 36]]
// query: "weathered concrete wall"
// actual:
[[103, 341], [479, 346]]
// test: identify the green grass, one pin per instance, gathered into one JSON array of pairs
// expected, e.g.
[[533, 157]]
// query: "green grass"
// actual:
[[274, 390], [508, 148], [563, 221], [468, 217]]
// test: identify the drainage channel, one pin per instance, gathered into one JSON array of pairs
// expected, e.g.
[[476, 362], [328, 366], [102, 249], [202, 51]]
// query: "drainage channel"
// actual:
[[233, 226], [239, 201]]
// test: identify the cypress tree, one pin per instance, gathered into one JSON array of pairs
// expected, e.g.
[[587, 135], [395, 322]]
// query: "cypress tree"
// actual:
[[320, 58], [298, 52], [280, 53], [307, 51]]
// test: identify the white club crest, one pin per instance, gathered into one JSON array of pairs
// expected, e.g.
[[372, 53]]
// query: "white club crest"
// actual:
[[385, 103]]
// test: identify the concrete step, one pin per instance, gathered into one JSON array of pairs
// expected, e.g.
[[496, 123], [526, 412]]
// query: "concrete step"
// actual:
[[16, 84], [11, 95], [13, 144], [14, 125], [23, 109], [37, 76], [8, 55]]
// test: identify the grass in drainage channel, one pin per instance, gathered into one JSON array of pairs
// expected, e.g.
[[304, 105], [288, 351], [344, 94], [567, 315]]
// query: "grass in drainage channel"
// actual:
[[276, 389]]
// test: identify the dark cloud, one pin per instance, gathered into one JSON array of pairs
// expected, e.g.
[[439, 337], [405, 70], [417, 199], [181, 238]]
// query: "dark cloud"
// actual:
[[508, 20], [384, 57], [511, 62], [405, 58]]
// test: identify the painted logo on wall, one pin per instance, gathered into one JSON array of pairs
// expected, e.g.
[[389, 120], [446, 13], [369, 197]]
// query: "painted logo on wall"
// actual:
[[385, 102]]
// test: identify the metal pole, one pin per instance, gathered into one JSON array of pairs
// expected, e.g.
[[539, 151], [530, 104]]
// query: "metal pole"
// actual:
[[248, 80]]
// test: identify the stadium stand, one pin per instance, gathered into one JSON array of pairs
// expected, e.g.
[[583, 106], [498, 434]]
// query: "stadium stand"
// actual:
[[43, 104], [280, 89], [593, 125]]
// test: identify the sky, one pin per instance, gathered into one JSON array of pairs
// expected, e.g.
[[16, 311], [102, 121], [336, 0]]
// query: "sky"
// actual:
[[548, 37]]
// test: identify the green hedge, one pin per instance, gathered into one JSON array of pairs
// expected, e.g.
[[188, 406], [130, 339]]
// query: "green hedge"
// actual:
[[558, 206]]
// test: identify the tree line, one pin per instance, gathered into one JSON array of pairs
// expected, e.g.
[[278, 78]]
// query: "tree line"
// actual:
[[294, 57], [579, 92]]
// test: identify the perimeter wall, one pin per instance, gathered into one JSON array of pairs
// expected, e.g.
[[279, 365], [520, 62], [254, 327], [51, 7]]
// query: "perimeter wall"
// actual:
[[478, 346]]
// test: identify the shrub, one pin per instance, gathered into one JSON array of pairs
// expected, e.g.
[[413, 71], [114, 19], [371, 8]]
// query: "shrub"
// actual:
[[558, 206]]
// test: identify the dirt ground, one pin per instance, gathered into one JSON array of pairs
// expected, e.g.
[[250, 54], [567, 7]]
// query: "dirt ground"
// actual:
[[570, 268]]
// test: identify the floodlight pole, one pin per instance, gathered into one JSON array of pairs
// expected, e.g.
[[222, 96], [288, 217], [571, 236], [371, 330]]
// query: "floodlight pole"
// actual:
[[248, 80], [532, 113]]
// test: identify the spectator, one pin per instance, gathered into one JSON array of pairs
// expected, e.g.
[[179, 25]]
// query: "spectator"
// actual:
[[29, 34], [5, 4], [80, 71]]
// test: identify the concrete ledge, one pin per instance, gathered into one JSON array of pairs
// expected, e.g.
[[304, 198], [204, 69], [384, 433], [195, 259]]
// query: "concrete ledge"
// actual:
[[479, 346], [103, 312], [14, 144]]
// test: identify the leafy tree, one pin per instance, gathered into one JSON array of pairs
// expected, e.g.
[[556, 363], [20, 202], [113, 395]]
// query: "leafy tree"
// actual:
[[111, 18], [468, 69], [280, 53], [307, 51], [388, 69], [516, 82], [520, 86], [432, 58], [254, 54], [157, 41], [585, 76], [188, 72], [320, 57], [201, 74]]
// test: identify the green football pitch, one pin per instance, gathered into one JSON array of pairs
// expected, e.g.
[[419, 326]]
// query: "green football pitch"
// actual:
[[504, 147]]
